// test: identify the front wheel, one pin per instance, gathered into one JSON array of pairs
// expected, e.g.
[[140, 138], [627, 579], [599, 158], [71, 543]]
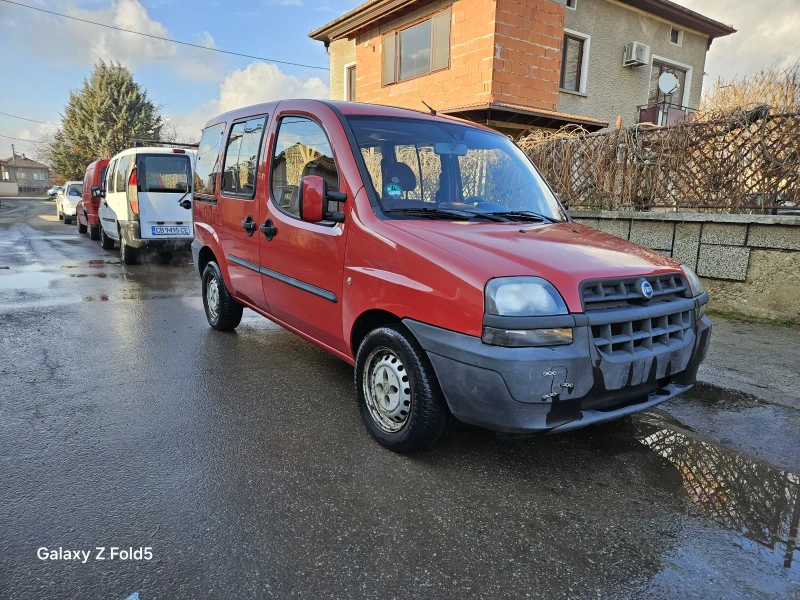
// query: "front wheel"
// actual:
[[106, 243], [81, 227], [94, 232], [398, 394], [222, 311], [67, 220]]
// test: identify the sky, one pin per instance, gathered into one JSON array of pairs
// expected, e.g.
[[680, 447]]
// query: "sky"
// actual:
[[47, 56]]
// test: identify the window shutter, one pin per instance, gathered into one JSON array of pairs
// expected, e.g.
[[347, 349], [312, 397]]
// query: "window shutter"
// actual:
[[389, 53], [440, 58]]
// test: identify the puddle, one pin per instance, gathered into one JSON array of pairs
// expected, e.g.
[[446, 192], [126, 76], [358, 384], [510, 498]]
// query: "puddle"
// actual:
[[759, 503], [32, 280]]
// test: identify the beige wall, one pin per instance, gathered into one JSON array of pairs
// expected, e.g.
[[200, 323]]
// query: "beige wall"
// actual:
[[343, 52], [612, 89]]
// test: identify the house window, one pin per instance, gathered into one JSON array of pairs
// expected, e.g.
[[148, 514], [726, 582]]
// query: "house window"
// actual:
[[417, 50], [350, 83], [6, 175], [573, 4], [656, 95], [676, 36], [22, 175], [38, 176], [572, 63]]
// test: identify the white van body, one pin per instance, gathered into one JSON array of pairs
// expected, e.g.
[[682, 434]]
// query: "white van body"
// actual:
[[157, 212]]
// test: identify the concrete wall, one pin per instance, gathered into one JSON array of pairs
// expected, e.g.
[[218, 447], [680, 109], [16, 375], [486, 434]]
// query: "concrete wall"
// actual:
[[8, 188], [750, 264], [612, 89], [342, 52]]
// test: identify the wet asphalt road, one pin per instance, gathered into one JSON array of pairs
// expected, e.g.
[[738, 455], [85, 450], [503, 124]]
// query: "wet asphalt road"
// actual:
[[241, 461]]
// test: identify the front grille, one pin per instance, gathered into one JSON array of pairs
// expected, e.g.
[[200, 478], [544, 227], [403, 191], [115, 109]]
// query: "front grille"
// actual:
[[642, 336], [616, 307], [612, 293]]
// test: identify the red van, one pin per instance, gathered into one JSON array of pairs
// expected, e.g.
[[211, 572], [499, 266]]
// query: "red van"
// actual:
[[430, 254], [87, 211]]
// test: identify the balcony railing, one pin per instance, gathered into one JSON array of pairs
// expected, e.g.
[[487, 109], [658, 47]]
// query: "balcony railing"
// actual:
[[664, 113]]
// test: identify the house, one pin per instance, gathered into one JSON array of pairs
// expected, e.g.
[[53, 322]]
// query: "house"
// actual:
[[30, 176], [521, 64]]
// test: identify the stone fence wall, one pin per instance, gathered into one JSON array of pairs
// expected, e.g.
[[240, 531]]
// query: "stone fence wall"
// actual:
[[750, 264]]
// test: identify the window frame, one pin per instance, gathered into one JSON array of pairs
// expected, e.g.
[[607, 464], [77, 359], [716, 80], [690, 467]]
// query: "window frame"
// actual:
[[685, 94], [205, 196], [229, 130], [583, 63], [111, 177], [274, 145], [679, 43], [346, 86], [395, 34], [574, 4], [125, 175]]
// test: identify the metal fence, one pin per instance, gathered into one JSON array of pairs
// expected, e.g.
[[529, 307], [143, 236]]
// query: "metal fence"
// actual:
[[740, 161]]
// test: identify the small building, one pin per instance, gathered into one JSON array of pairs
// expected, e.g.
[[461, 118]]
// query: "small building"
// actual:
[[521, 64], [30, 176]]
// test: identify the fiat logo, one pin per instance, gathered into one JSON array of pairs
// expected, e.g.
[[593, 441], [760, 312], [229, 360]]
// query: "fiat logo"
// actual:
[[645, 289]]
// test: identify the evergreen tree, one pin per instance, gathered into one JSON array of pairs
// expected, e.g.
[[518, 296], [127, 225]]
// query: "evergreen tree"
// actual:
[[99, 120]]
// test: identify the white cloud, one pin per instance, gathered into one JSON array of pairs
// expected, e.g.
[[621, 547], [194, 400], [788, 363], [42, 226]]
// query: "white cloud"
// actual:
[[65, 42], [767, 36], [258, 82]]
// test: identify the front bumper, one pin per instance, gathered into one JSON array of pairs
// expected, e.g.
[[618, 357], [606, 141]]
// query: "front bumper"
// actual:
[[131, 231], [559, 388], [68, 209]]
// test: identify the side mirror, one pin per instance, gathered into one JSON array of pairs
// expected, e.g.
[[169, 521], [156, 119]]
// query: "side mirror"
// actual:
[[314, 197], [97, 192]]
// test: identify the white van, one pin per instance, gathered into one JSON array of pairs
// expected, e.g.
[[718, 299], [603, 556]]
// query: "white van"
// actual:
[[147, 201]]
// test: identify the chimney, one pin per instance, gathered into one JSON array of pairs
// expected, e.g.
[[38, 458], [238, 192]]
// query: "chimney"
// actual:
[[23, 155]]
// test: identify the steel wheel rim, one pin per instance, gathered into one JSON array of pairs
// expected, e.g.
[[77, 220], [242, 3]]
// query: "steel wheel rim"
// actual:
[[212, 298], [387, 390]]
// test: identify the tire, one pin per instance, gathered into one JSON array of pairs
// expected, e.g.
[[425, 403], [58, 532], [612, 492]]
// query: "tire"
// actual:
[[94, 232], [391, 353], [222, 311], [81, 227], [128, 255], [106, 243], [67, 220]]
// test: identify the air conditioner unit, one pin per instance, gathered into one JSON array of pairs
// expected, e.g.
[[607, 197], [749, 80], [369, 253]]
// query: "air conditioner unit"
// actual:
[[637, 54]]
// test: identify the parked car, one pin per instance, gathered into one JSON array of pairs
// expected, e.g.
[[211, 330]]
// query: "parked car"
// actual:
[[67, 200], [430, 254], [87, 210], [53, 191], [146, 202]]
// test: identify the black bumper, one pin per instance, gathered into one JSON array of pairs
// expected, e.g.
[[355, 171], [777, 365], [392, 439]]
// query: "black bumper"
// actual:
[[130, 231], [523, 390]]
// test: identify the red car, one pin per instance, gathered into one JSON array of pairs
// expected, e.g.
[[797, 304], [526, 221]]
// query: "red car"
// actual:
[[87, 211], [430, 254]]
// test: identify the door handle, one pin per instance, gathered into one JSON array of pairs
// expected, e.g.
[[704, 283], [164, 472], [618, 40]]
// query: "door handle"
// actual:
[[268, 229], [249, 225]]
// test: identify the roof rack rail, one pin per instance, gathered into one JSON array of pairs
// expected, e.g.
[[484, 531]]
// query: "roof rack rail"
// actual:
[[138, 143]]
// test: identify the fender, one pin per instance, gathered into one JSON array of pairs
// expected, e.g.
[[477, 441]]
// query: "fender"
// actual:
[[209, 239]]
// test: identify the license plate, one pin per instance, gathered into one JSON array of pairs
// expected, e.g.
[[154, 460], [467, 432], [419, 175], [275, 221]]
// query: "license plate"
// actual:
[[170, 230]]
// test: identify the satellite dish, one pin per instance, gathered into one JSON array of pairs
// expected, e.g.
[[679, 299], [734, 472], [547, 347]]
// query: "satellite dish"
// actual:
[[668, 83]]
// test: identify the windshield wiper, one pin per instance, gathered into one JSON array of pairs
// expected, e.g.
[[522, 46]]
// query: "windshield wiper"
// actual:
[[440, 213], [524, 215]]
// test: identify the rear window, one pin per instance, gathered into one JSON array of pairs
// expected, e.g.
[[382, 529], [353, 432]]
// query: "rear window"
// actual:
[[165, 173]]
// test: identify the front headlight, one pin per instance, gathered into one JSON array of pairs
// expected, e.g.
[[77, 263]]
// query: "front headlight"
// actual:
[[523, 297], [694, 281], [516, 297]]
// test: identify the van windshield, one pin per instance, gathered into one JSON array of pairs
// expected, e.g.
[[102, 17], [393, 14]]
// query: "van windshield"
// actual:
[[430, 169], [166, 173]]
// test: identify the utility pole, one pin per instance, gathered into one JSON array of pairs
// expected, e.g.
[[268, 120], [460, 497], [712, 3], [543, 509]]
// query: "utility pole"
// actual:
[[14, 161]]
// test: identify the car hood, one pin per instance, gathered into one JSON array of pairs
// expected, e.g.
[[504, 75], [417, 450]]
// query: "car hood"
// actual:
[[563, 253]]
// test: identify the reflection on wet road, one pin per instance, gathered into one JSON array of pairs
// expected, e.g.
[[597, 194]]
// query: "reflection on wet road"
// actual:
[[241, 459]]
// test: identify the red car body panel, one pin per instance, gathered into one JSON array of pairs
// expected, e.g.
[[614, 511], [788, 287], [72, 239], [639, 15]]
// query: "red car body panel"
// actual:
[[88, 207], [434, 272]]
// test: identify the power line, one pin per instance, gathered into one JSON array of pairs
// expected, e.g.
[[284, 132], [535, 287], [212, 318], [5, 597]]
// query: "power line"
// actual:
[[155, 37], [27, 119], [21, 139]]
